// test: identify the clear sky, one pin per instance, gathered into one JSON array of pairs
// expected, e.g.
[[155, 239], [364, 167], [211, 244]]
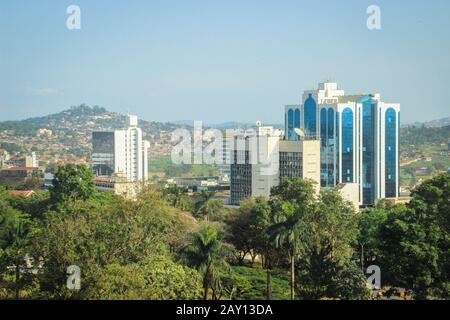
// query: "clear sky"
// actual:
[[220, 60]]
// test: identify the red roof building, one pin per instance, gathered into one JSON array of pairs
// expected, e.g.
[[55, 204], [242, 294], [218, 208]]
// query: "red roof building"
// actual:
[[21, 193]]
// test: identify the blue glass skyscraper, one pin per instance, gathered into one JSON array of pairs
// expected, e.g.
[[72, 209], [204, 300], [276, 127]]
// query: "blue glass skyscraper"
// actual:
[[359, 137]]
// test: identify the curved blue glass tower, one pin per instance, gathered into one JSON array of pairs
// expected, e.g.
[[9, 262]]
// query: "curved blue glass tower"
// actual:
[[310, 117], [390, 153], [368, 149], [347, 145]]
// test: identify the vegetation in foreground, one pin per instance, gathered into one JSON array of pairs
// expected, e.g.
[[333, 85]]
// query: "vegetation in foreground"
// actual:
[[166, 246]]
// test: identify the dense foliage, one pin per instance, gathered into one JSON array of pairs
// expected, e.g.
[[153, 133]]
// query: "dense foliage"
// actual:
[[166, 245], [411, 244]]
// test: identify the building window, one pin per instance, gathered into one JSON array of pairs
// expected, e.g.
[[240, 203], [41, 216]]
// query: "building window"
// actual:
[[390, 153], [368, 161], [347, 144], [310, 117]]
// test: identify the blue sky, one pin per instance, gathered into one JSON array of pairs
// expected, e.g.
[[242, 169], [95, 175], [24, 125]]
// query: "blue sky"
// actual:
[[220, 60]]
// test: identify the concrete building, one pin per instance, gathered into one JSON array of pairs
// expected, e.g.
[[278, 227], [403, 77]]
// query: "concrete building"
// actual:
[[119, 184], [19, 161], [197, 184], [4, 156], [300, 159], [121, 152], [359, 137], [20, 173], [225, 167], [349, 192], [262, 159]]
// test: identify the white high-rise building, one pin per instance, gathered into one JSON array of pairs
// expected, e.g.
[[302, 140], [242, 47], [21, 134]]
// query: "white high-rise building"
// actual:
[[121, 152]]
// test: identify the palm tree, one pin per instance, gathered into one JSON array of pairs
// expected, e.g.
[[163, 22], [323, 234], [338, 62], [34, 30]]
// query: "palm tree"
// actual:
[[288, 232], [174, 194], [207, 206], [208, 255], [291, 203], [14, 231]]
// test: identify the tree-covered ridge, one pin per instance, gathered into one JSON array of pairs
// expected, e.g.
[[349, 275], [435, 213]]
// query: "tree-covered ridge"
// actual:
[[66, 136], [424, 136], [79, 117], [425, 153]]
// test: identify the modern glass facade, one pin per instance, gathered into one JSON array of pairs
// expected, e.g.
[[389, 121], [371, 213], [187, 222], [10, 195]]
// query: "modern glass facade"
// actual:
[[310, 117], [323, 148], [330, 141], [390, 153], [103, 153], [358, 140], [297, 118], [368, 146], [241, 177], [292, 121], [347, 145], [290, 165], [327, 143], [337, 178]]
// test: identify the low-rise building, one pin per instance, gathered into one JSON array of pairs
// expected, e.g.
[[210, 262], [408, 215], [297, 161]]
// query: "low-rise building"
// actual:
[[20, 173], [196, 184], [120, 185], [19, 161]]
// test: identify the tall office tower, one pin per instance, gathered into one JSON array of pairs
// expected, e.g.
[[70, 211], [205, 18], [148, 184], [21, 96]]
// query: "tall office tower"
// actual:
[[359, 137], [254, 167], [225, 166], [300, 159], [121, 152], [260, 162]]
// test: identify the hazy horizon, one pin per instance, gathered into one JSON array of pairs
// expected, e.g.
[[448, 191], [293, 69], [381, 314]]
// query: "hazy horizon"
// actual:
[[220, 62]]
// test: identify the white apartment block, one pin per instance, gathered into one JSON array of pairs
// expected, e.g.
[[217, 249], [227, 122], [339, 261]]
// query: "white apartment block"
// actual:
[[122, 152]]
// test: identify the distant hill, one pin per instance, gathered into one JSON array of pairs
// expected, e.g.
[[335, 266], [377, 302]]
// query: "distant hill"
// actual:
[[66, 136], [83, 118], [424, 136], [443, 122]]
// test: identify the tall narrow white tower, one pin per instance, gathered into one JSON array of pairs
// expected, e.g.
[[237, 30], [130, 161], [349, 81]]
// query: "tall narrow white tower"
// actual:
[[122, 152]]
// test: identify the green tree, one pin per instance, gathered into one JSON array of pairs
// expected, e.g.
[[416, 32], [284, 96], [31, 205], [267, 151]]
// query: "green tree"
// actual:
[[157, 277], [174, 194], [291, 203], [14, 240], [248, 233], [240, 229], [73, 182], [102, 231], [207, 253], [370, 222], [326, 261], [415, 241], [208, 206], [177, 197]]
